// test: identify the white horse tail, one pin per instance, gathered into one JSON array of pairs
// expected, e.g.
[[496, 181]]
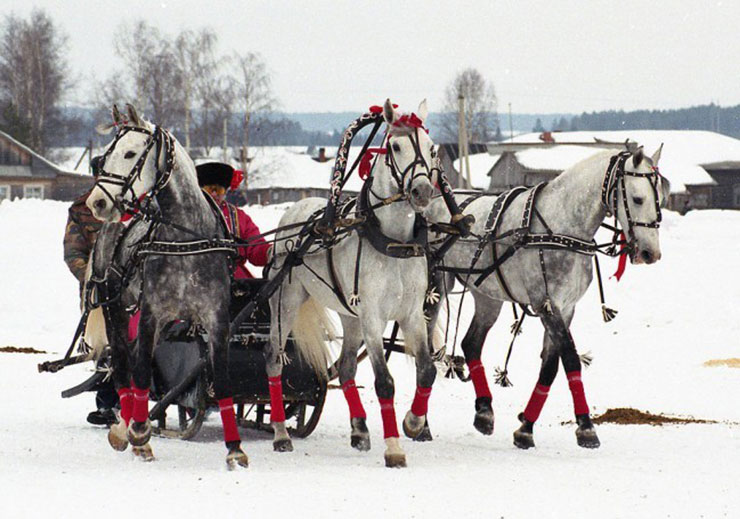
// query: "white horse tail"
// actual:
[[96, 336], [312, 329]]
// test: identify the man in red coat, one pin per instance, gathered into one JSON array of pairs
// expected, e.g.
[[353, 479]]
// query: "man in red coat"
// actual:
[[216, 178]]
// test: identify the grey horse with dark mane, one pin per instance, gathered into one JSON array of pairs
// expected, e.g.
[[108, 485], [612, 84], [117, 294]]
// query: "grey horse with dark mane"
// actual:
[[534, 247], [183, 261]]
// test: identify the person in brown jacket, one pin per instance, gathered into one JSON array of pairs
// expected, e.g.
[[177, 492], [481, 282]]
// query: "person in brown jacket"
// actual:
[[79, 238]]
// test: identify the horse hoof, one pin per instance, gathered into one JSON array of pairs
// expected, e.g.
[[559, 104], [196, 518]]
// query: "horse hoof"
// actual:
[[395, 461], [360, 437], [425, 435], [523, 439], [483, 421], [586, 434], [413, 425], [394, 455], [144, 452], [117, 436], [236, 457], [139, 433], [524, 436], [282, 445]]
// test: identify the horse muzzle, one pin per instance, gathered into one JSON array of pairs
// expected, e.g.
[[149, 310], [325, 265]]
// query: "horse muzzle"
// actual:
[[645, 256], [420, 196], [103, 209]]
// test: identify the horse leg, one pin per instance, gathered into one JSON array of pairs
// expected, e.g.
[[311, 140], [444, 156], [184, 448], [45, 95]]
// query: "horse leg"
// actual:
[[140, 428], [116, 321], [284, 311], [523, 437], [486, 313], [384, 388], [559, 329], [352, 331], [218, 343], [415, 336]]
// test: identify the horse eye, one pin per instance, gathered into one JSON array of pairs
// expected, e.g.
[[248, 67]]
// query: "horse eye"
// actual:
[[396, 147], [129, 155], [637, 200]]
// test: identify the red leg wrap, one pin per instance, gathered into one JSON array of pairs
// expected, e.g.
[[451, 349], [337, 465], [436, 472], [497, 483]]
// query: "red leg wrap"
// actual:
[[478, 376], [353, 400], [536, 401], [133, 326], [388, 413], [421, 400], [228, 419], [141, 404], [126, 397], [576, 390], [277, 411]]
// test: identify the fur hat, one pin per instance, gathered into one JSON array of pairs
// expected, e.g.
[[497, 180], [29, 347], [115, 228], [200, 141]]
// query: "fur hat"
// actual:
[[214, 173]]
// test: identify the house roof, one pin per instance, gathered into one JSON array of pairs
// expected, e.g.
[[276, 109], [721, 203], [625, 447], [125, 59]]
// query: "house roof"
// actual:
[[685, 155], [8, 171]]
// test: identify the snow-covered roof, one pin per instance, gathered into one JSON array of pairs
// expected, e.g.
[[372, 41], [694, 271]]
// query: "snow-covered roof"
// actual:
[[555, 159], [480, 165], [684, 152]]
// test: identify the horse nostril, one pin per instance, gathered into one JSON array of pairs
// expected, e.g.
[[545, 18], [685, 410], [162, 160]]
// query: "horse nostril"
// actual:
[[646, 256], [415, 192], [100, 204]]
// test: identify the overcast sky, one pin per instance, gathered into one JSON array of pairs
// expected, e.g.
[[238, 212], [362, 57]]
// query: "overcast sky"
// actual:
[[542, 56]]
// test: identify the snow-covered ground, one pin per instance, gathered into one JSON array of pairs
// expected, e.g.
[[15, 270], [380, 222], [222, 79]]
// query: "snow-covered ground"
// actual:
[[674, 316]]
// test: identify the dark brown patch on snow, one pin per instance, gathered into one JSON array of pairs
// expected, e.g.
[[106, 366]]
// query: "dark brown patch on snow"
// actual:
[[629, 416], [15, 349]]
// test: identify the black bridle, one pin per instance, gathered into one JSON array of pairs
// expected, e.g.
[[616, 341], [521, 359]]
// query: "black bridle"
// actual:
[[614, 184], [160, 140], [419, 160]]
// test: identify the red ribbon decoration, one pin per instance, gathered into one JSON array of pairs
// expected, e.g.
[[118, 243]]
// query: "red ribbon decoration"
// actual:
[[411, 120], [127, 215], [622, 260], [366, 163], [236, 179]]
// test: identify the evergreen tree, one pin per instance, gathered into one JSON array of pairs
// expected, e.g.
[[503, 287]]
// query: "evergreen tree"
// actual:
[[538, 128]]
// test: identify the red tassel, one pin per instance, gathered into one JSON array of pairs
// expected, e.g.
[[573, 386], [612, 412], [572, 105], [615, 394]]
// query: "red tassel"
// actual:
[[236, 179], [622, 259], [366, 163]]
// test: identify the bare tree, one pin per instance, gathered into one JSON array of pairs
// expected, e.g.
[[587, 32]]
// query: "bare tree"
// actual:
[[253, 92], [481, 115], [32, 76]]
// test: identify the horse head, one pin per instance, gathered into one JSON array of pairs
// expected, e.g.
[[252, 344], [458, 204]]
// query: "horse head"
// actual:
[[410, 154], [642, 193], [129, 167]]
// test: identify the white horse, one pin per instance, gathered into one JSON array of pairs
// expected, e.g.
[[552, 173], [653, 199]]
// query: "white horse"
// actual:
[[547, 234], [358, 277]]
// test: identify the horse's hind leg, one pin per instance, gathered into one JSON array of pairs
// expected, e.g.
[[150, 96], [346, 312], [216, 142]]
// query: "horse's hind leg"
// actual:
[[486, 313], [558, 329], [415, 336], [384, 388], [284, 306], [352, 332], [218, 338]]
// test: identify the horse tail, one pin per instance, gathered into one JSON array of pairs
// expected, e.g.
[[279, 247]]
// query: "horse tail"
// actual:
[[96, 336], [312, 329]]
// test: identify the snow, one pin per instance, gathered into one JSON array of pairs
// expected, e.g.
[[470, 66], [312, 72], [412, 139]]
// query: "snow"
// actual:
[[674, 316], [480, 165], [683, 154]]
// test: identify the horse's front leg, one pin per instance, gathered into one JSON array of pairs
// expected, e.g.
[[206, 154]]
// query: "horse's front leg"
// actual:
[[559, 331], [372, 330], [218, 344], [140, 429], [352, 332], [117, 325], [486, 313], [415, 336]]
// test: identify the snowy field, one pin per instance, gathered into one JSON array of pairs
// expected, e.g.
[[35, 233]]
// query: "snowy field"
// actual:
[[673, 316]]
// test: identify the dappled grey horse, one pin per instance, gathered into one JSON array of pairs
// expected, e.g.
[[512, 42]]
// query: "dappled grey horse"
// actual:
[[369, 278], [534, 247], [184, 266]]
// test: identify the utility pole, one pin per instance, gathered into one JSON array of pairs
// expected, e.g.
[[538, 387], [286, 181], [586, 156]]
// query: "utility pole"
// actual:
[[226, 140], [462, 141], [511, 126]]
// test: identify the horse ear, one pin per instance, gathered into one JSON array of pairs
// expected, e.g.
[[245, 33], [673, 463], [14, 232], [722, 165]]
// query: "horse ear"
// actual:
[[132, 115], [665, 190], [117, 117], [656, 156], [422, 112], [389, 113], [637, 157]]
